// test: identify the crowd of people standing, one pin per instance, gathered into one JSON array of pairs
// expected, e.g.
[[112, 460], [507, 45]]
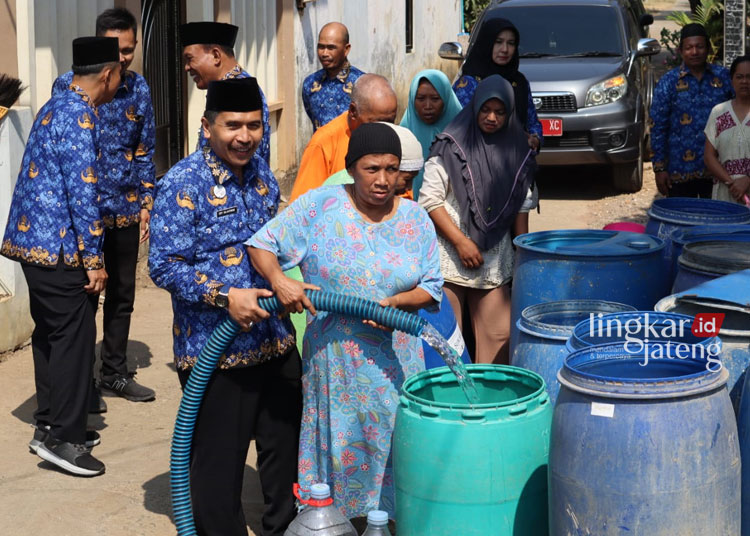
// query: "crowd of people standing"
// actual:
[[401, 214]]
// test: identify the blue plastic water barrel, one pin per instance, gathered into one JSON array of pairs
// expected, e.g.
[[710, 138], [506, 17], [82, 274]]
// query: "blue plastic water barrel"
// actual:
[[703, 261], [669, 214], [445, 322], [743, 430], [644, 450], [639, 328], [543, 331], [700, 233], [586, 265], [729, 295]]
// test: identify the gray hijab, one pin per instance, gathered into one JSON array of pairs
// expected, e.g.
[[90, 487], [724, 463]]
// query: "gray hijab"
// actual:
[[489, 173]]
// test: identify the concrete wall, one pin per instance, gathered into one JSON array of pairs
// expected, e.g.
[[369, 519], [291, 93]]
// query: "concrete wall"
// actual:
[[9, 56], [377, 35], [46, 29], [15, 321]]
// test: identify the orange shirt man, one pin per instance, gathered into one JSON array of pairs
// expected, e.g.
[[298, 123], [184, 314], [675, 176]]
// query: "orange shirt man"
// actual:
[[373, 99]]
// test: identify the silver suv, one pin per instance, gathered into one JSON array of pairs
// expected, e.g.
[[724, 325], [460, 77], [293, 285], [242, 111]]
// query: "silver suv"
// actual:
[[589, 66]]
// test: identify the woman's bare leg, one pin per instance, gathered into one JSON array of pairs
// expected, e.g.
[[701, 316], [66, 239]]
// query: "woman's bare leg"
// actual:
[[490, 315]]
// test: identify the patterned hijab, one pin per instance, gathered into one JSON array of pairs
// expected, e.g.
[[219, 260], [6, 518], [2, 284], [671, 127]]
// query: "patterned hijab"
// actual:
[[489, 173], [426, 133]]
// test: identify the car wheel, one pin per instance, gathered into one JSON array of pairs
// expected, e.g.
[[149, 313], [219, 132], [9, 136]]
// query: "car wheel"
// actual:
[[629, 177]]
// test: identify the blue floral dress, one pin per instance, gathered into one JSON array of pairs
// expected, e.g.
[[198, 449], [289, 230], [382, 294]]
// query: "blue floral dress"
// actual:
[[352, 373]]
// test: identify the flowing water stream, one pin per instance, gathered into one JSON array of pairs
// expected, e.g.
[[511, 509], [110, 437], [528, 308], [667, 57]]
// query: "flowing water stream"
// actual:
[[433, 337]]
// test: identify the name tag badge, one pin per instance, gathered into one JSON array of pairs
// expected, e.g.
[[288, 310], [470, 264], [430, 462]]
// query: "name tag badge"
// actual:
[[226, 212]]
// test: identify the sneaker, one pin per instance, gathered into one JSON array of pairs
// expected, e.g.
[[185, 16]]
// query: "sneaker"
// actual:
[[97, 403], [126, 387], [41, 433], [76, 459]]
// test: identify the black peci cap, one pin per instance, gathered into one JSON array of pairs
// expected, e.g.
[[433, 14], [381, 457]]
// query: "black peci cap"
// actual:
[[234, 95], [208, 33], [95, 51], [372, 138]]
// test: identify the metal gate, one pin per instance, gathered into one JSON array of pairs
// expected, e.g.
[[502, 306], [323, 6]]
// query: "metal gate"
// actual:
[[162, 66]]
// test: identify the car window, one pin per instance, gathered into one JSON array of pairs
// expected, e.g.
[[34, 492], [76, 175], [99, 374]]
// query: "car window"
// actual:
[[566, 30]]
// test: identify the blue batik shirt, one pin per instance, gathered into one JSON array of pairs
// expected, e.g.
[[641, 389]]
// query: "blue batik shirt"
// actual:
[[55, 209], [264, 149], [125, 137], [327, 98], [201, 217], [679, 110], [466, 86]]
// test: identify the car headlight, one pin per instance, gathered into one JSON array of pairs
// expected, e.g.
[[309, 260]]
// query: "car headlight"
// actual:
[[607, 91]]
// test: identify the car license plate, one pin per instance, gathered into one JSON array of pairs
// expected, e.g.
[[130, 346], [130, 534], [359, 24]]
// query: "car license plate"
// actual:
[[552, 127]]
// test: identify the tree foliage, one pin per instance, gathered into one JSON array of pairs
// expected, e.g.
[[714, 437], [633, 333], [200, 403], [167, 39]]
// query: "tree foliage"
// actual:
[[472, 10], [709, 15]]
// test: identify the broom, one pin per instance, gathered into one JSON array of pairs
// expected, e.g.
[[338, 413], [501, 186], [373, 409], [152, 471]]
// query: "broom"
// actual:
[[10, 90]]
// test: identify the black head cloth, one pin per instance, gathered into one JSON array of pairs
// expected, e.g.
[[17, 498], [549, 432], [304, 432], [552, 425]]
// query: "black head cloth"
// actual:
[[234, 95]]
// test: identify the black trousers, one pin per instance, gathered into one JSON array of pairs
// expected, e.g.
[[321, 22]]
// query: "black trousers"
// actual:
[[120, 255], [262, 402], [62, 344], [695, 188]]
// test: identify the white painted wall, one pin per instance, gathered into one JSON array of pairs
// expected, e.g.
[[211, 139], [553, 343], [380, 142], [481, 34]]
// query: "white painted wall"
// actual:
[[15, 320], [45, 33], [378, 37]]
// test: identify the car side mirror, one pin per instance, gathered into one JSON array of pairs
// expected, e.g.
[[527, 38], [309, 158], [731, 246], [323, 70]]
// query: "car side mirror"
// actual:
[[647, 47], [647, 19], [451, 50]]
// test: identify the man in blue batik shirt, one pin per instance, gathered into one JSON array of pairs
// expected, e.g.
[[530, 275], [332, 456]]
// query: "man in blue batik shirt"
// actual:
[[326, 93], [680, 107], [125, 139], [55, 231], [208, 53], [208, 205]]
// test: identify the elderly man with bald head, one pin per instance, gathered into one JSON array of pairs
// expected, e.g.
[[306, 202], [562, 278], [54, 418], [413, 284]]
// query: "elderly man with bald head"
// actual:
[[326, 93], [373, 99]]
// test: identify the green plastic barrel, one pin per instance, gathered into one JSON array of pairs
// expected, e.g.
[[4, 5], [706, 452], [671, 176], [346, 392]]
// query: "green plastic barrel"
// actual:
[[299, 320], [472, 470]]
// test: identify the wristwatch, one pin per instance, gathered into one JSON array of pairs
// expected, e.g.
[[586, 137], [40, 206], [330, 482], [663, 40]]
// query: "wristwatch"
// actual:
[[222, 299]]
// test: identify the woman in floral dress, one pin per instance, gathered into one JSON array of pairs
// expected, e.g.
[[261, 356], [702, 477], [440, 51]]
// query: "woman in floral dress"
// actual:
[[360, 240]]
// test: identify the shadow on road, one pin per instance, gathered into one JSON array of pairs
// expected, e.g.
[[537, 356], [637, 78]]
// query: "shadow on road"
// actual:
[[575, 183], [156, 498]]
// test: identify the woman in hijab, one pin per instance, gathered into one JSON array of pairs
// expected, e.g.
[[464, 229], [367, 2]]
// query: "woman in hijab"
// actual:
[[475, 181], [432, 105], [496, 52]]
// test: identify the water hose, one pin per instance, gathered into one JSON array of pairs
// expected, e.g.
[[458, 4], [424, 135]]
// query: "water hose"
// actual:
[[218, 342]]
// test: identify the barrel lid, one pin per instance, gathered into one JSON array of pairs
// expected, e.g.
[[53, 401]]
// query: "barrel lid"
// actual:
[[590, 242], [655, 371], [696, 211], [684, 235], [716, 256]]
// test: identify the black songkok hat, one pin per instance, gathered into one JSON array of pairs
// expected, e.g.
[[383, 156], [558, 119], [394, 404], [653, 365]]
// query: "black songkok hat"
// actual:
[[693, 30], [208, 33], [95, 51], [234, 95], [372, 138]]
